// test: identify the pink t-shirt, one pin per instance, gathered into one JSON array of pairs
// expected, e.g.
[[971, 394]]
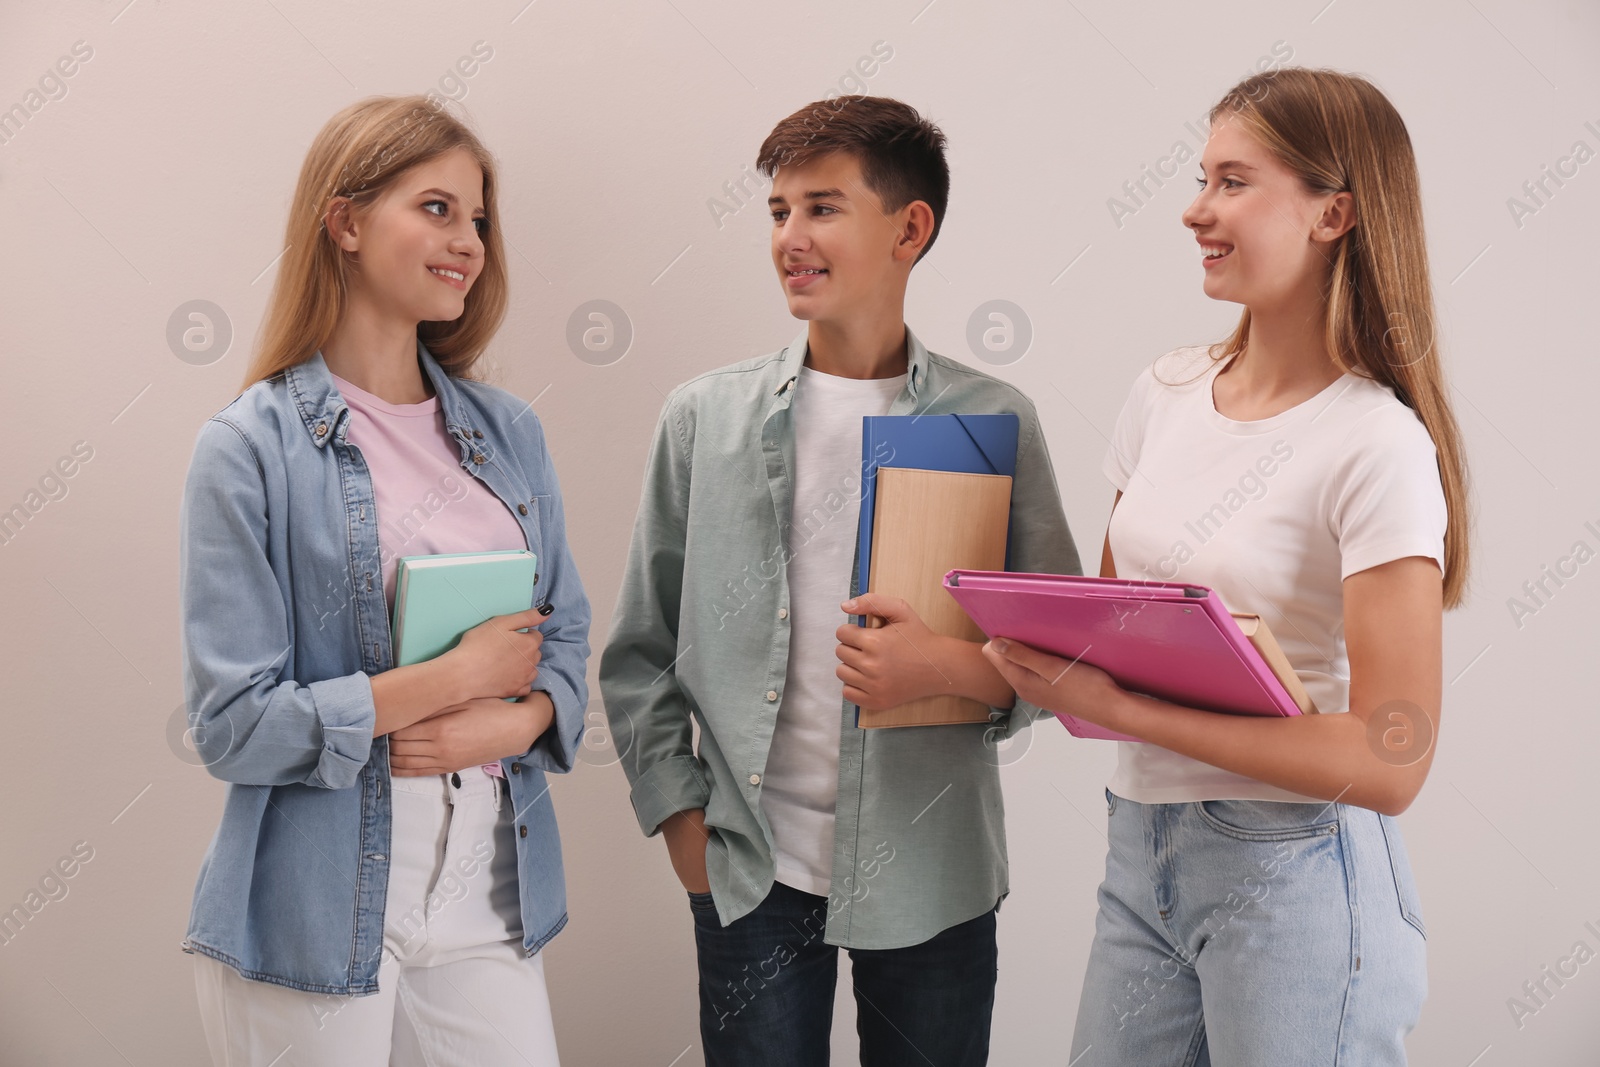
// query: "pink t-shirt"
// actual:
[[426, 503]]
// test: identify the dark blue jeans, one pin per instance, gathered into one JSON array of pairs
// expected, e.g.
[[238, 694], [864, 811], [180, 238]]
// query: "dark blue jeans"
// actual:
[[767, 988]]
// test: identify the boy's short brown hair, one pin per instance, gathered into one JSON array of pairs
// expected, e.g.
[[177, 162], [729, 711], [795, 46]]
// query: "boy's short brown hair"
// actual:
[[901, 153]]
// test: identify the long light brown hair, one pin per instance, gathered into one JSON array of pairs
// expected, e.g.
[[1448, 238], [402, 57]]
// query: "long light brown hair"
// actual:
[[1339, 133], [360, 154]]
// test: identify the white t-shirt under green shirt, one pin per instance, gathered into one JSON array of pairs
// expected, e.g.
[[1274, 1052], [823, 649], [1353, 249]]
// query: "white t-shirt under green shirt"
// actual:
[[1273, 514], [801, 783]]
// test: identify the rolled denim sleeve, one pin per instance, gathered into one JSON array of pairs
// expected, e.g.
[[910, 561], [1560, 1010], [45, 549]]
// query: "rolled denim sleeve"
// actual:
[[564, 654], [647, 709], [250, 723], [1040, 542]]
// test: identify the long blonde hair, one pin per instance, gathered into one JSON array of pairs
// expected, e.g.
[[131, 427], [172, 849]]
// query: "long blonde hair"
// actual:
[[359, 154], [1338, 132]]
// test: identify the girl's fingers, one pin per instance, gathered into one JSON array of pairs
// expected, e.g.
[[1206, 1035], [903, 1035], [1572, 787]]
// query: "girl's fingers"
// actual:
[[1026, 658], [1008, 669], [1022, 681]]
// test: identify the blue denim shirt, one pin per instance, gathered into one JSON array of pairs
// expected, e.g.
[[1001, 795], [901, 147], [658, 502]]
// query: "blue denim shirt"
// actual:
[[284, 620]]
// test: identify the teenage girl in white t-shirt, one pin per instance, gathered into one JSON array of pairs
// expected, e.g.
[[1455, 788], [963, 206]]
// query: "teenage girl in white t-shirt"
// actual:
[[1258, 907]]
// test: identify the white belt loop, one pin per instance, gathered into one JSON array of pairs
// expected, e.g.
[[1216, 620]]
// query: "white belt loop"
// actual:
[[495, 782]]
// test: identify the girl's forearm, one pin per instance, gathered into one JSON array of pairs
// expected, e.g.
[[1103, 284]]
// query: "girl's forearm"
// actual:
[[405, 695], [1327, 756]]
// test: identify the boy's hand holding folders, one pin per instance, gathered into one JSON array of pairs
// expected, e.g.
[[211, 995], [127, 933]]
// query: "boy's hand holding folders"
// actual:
[[1076, 638], [936, 495]]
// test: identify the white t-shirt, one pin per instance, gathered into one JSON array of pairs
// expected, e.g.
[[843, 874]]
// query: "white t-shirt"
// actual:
[[801, 783], [1273, 514]]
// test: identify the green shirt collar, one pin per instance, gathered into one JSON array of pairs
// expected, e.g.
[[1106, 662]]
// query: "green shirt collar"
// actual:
[[787, 366]]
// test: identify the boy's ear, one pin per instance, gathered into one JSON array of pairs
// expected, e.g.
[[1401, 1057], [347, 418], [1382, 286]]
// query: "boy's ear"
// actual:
[[916, 230]]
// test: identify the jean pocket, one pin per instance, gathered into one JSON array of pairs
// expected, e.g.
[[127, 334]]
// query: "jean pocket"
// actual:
[[1405, 887], [1111, 802], [1268, 820]]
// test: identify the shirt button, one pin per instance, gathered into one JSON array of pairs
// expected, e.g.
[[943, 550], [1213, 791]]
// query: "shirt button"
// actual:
[[477, 457], [783, 613], [772, 694], [755, 779], [478, 434], [516, 768], [522, 509], [322, 429], [522, 831], [455, 779]]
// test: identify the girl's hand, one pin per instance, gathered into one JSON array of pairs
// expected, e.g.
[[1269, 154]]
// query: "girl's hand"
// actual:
[[495, 659], [465, 735], [1055, 684]]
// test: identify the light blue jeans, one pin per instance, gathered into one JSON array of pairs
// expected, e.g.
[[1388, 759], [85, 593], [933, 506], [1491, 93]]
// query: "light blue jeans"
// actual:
[[1252, 934]]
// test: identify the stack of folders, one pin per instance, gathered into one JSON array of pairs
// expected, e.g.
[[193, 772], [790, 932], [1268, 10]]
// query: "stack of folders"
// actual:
[[936, 496], [438, 598], [1255, 628], [1169, 640]]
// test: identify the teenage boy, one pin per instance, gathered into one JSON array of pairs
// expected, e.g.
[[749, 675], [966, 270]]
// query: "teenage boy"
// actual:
[[793, 831]]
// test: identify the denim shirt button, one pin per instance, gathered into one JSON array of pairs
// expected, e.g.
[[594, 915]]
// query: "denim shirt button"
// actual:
[[477, 457], [516, 768], [522, 509], [478, 434], [322, 429]]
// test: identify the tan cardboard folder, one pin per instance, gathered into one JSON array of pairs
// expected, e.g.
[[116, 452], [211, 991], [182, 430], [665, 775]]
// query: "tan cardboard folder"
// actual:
[[1255, 628], [926, 523]]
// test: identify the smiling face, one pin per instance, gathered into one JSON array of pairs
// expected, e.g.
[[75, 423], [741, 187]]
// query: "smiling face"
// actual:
[[1267, 242], [839, 255], [419, 247]]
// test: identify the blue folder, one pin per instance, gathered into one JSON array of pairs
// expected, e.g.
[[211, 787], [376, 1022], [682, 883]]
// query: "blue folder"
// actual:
[[963, 444]]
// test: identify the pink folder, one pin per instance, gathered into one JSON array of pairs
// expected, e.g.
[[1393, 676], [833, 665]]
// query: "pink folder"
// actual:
[[1168, 640]]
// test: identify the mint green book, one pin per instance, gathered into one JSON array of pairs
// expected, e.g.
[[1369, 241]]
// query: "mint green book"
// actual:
[[438, 598]]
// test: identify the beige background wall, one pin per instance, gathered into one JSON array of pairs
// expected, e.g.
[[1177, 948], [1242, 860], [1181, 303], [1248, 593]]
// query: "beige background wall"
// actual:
[[159, 174]]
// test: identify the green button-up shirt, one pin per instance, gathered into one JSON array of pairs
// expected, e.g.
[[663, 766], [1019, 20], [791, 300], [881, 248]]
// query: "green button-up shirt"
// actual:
[[701, 633]]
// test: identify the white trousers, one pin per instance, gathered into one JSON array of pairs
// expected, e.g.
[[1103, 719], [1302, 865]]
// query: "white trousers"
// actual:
[[453, 984]]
